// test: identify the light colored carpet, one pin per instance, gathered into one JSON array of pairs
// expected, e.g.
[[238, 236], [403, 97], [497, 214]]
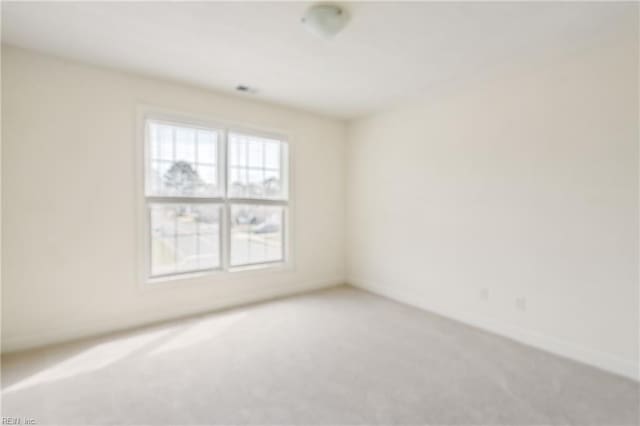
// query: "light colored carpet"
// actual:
[[339, 356]]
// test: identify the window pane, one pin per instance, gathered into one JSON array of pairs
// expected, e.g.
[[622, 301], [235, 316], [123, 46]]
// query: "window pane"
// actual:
[[185, 144], [256, 167], [206, 146], [256, 158], [237, 151], [238, 182], [208, 245], [164, 141], [208, 174], [256, 234], [272, 155], [183, 161], [256, 183], [272, 183], [184, 237], [158, 169], [187, 253]]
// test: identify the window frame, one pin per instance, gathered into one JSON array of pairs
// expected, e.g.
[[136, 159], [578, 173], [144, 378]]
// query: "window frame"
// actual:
[[220, 152], [222, 200]]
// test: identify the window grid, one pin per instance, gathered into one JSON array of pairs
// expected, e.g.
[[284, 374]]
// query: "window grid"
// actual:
[[190, 155], [251, 175], [273, 251], [255, 247], [201, 260]]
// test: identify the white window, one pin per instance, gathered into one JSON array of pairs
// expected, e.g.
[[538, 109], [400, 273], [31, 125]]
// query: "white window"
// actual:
[[215, 198]]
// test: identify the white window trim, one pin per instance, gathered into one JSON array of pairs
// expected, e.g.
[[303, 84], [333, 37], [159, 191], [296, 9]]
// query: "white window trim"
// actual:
[[145, 113]]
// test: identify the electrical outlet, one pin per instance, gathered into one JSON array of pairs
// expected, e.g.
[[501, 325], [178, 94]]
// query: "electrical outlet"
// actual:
[[521, 303], [484, 294]]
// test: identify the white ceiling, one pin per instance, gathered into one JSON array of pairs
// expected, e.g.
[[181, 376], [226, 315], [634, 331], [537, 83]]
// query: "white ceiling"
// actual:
[[389, 52]]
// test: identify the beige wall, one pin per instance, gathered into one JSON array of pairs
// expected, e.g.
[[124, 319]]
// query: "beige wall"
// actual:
[[525, 186], [70, 266]]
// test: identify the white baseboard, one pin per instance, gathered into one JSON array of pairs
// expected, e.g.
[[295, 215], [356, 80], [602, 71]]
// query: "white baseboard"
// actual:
[[74, 331], [598, 359]]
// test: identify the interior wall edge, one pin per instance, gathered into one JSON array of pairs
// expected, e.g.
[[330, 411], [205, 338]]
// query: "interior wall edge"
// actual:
[[594, 358]]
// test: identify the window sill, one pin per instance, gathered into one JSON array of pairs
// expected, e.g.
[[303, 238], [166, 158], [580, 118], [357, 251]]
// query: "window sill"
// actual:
[[183, 276], [268, 266]]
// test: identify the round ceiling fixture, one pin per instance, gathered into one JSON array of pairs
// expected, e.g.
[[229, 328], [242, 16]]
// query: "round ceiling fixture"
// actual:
[[325, 20]]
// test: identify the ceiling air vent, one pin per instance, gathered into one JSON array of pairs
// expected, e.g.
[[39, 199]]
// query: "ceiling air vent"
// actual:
[[245, 89]]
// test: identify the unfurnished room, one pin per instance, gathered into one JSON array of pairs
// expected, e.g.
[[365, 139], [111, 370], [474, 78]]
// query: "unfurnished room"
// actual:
[[320, 213]]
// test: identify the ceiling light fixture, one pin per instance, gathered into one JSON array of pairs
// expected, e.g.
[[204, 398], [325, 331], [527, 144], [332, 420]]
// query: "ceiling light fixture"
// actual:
[[325, 20]]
